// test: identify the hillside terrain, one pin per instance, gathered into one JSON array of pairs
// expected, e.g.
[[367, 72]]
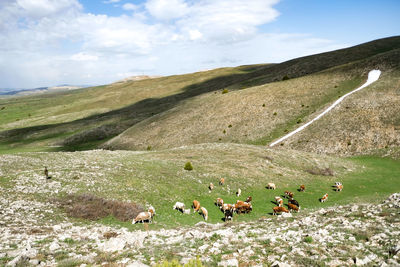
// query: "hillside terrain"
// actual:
[[113, 151], [263, 102], [41, 221]]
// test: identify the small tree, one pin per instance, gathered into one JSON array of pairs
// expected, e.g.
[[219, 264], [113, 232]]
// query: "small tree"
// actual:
[[188, 166]]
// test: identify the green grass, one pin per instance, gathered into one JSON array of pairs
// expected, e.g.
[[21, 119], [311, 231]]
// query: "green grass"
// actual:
[[158, 178]]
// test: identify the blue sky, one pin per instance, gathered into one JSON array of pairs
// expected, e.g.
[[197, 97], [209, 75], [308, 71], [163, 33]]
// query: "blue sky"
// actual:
[[52, 42]]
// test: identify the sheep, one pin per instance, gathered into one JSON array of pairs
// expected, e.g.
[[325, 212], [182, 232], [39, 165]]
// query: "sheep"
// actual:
[[211, 187], [302, 188], [271, 186], [222, 181], [145, 216], [289, 194], [277, 210], [294, 202], [293, 207], [339, 187], [279, 201], [243, 207], [179, 206], [204, 212], [195, 206], [229, 213], [226, 207], [249, 199], [324, 198], [152, 210], [239, 192], [219, 202]]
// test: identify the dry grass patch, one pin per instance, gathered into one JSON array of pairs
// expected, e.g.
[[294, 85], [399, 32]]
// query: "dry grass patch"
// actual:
[[321, 171], [93, 208]]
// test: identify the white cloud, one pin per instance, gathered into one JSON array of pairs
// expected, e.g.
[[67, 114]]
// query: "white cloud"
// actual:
[[84, 57], [51, 42], [130, 6], [111, 1], [167, 9]]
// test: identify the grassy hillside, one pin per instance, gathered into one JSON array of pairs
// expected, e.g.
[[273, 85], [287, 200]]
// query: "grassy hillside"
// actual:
[[87, 118], [260, 114], [158, 178]]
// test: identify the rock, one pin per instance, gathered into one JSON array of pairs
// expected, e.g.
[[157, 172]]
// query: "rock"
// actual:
[[354, 208], [34, 262], [203, 248], [113, 244], [137, 264], [54, 246], [280, 264], [230, 262], [286, 215]]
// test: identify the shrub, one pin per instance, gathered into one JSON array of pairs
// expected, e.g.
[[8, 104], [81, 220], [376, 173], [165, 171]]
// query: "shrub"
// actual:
[[299, 121], [225, 91], [148, 148], [263, 105], [230, 126], [284, 78], [308, 239], [224, 131], [188, 166], [275, 114]]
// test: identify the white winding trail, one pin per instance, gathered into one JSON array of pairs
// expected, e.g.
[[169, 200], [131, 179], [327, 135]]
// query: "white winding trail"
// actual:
[[373, 76]]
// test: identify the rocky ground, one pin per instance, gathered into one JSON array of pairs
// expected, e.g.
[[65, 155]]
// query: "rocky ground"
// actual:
[[338, 236]]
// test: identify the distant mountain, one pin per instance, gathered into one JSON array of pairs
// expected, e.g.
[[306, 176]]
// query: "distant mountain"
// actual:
[[19, 91]]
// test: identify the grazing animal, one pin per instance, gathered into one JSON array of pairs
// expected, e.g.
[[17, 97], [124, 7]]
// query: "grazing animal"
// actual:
[[221, 181], [219, 202], [204, 212], [229, 213], [145, 216], [195, 206], [293, 207], [289, 194], [249, 199], [279, 201], [152, 210], [239, 192], [339, 187], [338, 183], [302, 188], [271, 186], [277, 210], [294, 202], [226, 207], [186, 211], [211, 186], [324, 198], [243, 207], [179, 206]]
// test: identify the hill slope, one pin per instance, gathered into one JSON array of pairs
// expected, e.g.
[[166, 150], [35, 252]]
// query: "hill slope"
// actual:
[[87, 118], [260, 114]]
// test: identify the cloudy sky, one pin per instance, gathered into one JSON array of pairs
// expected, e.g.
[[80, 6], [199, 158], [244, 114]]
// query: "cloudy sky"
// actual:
[[90, 42]]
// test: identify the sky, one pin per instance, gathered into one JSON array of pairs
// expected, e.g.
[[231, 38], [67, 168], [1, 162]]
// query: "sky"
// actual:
[[91, 42]]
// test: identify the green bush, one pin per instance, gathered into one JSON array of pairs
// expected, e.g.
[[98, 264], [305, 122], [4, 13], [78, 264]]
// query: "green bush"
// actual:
[[275, 113], [308, 239], [284, 78], [188, 166], [225, 91], [148, 148]]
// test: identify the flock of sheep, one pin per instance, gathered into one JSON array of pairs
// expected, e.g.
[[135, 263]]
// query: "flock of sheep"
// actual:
[[239, 207]]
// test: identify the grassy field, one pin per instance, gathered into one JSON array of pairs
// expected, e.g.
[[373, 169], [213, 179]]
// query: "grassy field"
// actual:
[[158, 178]]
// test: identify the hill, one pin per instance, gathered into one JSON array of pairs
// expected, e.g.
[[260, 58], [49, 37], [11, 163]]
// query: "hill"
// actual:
[[264, 102]]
